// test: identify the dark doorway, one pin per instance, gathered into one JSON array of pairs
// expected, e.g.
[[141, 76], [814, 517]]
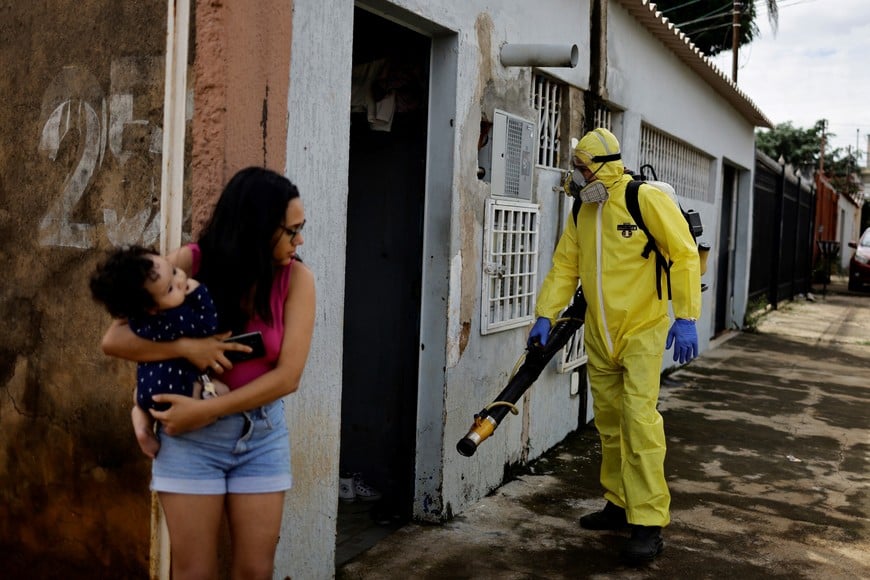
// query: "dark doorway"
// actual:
[[387, 184], [723, 260]]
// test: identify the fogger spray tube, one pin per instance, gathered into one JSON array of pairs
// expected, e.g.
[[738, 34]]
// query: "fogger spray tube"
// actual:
[[536, 358]]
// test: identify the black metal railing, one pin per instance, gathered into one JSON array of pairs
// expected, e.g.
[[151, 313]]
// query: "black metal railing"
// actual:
[[782, 227]]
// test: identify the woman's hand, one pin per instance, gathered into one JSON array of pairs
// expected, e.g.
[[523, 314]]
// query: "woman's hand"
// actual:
[[210, 353], [204, 353], [184, 414]]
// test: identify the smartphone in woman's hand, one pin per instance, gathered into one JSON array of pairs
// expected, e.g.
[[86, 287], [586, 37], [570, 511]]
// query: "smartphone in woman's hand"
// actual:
[[252, 339]]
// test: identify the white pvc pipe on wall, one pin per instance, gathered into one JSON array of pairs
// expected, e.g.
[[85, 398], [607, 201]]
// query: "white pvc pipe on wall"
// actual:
[[171, 204], [175, 96], [553, 55]]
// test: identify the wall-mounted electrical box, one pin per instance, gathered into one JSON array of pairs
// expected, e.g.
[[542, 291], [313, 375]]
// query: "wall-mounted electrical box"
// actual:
[[513, 156]]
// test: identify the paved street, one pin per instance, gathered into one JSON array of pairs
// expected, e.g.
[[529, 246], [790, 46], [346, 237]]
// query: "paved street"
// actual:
[[767, 463]]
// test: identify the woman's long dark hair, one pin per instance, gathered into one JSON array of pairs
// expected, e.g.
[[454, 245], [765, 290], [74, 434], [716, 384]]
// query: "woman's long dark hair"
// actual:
[[237, 244]]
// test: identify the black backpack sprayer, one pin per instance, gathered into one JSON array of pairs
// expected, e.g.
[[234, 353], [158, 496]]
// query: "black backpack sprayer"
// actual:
[[528, 369]]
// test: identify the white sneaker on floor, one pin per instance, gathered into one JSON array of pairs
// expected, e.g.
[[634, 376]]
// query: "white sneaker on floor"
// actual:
[[346, 489], [364, 491]]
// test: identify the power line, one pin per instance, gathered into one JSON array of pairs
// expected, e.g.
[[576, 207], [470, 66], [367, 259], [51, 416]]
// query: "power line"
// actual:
[[715, 14], [783, 3], [714, 27], [684, 4]]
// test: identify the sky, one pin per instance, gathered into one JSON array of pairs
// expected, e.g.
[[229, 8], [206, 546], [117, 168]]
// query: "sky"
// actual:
[[815, 66]]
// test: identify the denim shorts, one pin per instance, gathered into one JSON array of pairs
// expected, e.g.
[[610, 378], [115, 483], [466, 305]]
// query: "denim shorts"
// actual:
[[242, 453]]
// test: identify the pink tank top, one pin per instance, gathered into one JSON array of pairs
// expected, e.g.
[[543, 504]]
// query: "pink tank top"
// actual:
[[244, 372]]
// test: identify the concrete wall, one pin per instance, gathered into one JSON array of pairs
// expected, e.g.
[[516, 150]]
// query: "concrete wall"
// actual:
[[460, 370], [849, 224], [240, 78], [317, 161], [477, 367], [827, 213], [80, 163]]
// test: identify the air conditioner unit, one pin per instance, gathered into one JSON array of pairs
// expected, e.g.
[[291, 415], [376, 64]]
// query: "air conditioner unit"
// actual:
[[513, 156]]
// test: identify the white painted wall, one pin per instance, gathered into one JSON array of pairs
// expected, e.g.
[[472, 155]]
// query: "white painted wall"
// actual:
[[849, 224], [317, 161], [475, 375], [317, 158]]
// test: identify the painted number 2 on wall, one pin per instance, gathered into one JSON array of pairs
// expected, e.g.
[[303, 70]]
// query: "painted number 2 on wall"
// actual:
[[74, 103]]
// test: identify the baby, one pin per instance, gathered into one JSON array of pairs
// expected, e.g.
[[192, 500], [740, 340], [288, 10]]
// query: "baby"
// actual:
[[160, 303]]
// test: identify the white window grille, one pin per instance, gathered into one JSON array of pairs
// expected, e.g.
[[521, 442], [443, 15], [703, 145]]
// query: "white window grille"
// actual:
[[602, 118], [510, 268], [573, 353], [687, 169], [547, 100]]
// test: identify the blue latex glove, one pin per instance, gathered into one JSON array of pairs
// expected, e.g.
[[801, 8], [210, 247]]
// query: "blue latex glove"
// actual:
[[684, 336], [540, 332]]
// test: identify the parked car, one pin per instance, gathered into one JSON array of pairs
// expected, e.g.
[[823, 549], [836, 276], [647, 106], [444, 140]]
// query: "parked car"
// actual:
[[859, 265]]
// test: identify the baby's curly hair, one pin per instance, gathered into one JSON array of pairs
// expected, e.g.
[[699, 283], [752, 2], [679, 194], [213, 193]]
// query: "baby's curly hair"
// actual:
[[118, 283]]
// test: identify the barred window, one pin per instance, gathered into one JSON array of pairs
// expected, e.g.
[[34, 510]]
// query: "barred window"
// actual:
[[547, 100], [573, 353], [510, 268], [686, 168], [602, 118]]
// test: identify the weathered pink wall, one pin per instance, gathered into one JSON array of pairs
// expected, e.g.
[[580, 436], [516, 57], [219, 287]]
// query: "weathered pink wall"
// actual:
[[81, 129], [242, 71]]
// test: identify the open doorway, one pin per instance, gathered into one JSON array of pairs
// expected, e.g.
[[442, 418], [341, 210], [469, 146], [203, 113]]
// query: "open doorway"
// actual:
[[724, 259], [385, 210]]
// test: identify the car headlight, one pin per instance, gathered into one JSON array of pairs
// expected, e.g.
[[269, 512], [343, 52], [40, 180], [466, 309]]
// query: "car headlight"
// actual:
[[862, 259]]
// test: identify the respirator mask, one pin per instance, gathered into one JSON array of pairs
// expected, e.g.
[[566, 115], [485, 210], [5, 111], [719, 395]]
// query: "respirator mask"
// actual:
[[594, 192], [575, 185]]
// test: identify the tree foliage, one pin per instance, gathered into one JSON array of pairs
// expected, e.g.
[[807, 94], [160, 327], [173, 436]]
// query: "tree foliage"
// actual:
[[709, 22], [802, 149], [795, 145]]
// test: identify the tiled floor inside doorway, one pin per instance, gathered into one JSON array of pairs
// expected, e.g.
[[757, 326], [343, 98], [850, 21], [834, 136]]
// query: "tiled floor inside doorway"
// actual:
[[359, 528]]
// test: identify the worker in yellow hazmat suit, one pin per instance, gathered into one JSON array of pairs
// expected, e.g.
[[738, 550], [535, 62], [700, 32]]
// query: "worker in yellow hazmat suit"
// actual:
[[626, 331]]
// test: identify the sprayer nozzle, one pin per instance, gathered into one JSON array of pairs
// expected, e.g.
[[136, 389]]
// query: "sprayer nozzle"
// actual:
[[482, 428], [466, 447]]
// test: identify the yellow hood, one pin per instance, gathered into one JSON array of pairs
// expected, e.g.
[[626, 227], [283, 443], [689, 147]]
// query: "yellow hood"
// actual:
[[595, 145]]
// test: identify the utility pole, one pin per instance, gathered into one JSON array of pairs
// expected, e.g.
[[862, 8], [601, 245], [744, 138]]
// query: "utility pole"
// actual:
[[822, 153], [735, 37]]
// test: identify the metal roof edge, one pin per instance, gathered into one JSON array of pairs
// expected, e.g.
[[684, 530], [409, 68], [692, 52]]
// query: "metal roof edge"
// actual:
[[645, 12]]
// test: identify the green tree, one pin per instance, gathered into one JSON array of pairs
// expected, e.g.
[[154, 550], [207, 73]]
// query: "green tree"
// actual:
[[842, 170], [709, 22], [802, 147], [795, 145]]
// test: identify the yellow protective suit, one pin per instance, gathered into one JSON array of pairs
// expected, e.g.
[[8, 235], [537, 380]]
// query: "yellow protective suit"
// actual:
[[626, 323]]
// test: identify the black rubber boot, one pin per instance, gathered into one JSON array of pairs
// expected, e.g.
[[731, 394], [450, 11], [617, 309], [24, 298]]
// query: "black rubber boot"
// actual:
[[644, 544], [612, 517]]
